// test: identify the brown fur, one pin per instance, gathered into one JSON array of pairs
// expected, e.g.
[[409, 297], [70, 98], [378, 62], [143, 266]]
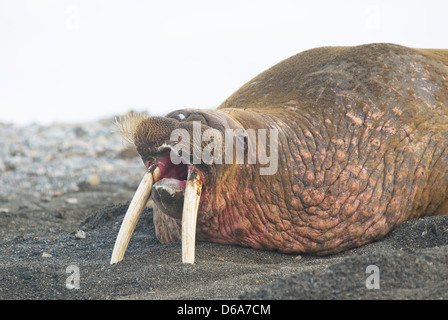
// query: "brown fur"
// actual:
[[279, 85]]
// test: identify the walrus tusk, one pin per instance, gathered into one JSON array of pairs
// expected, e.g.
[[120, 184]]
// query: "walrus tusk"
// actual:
[[192, 195], [132, 216]]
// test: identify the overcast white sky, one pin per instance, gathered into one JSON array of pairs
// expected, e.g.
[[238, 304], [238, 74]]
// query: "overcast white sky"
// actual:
[[81, 60]]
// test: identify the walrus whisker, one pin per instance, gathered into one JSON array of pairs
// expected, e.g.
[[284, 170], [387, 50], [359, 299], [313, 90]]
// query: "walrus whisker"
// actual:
[[132, 216], [128, 125]]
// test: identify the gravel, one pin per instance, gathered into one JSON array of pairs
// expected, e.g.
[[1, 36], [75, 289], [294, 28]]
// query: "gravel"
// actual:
[[59, 158]]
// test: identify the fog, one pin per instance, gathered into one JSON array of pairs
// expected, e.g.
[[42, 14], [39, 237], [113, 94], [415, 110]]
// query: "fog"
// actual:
[[72, 61]]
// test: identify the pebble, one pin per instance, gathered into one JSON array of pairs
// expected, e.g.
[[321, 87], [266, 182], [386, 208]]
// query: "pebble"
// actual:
[[46, 255], [53, 160], [72, 200], [93, 180], [26, 275], [80, 234]]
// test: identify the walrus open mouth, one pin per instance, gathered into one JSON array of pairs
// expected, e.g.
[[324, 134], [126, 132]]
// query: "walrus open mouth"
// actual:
[[162, 172], [167, 169]]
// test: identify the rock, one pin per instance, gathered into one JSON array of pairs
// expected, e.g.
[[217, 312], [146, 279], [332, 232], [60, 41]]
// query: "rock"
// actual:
[[93, 180], [72, 200], [26, 275], [80, 234]]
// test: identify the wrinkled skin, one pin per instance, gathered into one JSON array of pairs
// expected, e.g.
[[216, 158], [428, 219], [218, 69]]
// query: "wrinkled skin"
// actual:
[[362, 137]]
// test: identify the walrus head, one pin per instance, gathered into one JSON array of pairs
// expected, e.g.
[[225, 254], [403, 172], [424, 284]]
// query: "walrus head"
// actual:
[[177, 171]]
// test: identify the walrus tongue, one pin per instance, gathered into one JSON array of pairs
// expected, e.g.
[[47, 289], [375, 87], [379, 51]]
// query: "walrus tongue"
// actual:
[[189, 216]]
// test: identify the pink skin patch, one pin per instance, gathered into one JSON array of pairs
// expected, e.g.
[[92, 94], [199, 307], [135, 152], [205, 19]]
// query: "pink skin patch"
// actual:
[[169, 170]]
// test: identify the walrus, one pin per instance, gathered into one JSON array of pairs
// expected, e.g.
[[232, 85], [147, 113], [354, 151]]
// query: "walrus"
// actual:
[[362, 137]]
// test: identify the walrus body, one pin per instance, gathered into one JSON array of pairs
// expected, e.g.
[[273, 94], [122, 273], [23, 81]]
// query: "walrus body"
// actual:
[[362, 147]]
